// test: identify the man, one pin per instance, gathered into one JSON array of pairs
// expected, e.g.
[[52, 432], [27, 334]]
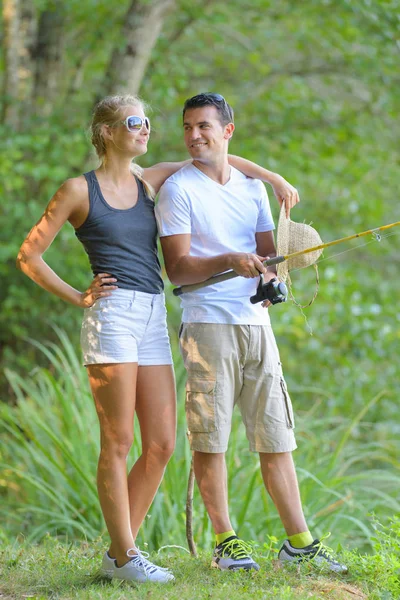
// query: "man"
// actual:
[[212, 218]]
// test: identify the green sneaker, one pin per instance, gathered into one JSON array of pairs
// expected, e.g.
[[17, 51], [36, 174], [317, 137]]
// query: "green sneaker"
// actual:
[[233, 554]]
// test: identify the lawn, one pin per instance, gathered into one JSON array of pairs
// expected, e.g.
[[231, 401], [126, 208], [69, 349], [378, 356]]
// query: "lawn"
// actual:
[[70, 571]]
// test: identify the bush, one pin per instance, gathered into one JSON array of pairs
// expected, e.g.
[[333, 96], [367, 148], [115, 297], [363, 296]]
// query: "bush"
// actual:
[[49, 447]]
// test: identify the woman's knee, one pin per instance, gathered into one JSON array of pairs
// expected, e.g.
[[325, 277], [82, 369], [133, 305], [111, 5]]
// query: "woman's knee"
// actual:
[[117, 444]]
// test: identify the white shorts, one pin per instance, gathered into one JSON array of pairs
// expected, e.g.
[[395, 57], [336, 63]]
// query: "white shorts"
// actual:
[[128, 326]]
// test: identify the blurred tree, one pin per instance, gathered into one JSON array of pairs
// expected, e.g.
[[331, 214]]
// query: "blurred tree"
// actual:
[[11, 50], [47, 54], [314, 86], [38, 39], [142, 26]]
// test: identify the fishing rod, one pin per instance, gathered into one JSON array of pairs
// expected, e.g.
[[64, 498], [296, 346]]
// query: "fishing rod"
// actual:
[[184, 289]]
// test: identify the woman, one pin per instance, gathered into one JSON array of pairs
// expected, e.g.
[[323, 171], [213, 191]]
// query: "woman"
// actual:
[[124, 334]]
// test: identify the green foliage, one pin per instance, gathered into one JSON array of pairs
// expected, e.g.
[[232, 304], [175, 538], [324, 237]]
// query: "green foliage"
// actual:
[[49, 448], [384, 565], [315, 91], [314, 88], [32, 166], [54, 441], [67, 572]]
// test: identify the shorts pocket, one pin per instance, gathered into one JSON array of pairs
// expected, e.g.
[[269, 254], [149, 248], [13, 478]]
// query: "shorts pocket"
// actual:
[[200, 405], [288, 405], [115, 303], [111, 309]]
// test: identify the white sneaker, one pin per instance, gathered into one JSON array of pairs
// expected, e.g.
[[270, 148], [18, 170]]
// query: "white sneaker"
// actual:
[[138, 568], [107, 566]]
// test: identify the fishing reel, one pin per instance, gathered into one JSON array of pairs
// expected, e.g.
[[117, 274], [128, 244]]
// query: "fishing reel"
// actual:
[[275, 291]]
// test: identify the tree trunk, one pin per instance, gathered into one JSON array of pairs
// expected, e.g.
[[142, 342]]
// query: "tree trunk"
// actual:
[[11, 18], [48, 55], [28, 36], [143, 23]]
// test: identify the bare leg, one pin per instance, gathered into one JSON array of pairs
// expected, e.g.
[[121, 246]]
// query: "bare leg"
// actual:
[[114, 391], [281, 482], [211, 477], [156, 411]]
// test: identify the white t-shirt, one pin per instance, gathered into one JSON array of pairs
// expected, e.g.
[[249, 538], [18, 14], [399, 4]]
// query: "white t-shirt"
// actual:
[[220, 219]]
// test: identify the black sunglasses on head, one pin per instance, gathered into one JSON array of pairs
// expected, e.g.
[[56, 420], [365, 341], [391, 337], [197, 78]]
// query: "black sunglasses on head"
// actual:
[[212, 96], [207, 99]]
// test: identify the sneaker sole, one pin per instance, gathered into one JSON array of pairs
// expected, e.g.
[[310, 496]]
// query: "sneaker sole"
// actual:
[[107, 573], [140, 580], [309, 561], [215, 565]]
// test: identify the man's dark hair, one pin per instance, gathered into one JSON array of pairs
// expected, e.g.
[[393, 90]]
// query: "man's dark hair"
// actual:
[[225, 112]]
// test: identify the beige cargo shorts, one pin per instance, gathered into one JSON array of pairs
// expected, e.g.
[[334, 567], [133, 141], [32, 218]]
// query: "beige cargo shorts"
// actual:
[[235, 364]]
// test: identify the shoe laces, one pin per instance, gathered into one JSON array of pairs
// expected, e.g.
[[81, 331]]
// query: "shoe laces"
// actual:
[[141, 560], [236, 548], [324, 550]]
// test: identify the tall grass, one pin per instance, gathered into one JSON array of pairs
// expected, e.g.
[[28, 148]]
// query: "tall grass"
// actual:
[[49, 443]]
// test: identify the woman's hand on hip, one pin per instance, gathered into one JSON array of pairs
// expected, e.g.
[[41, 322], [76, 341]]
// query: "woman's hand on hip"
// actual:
[[101, 287]]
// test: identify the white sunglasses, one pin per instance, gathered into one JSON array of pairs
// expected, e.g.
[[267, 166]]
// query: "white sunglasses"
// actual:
[[135, 123]]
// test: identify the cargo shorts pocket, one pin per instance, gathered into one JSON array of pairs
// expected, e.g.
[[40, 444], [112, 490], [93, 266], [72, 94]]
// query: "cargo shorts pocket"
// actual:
[[200, 405], [287, 405]]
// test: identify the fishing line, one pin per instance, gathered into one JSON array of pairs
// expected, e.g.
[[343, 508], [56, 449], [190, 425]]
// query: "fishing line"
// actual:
[[376, 237], [373, 241]]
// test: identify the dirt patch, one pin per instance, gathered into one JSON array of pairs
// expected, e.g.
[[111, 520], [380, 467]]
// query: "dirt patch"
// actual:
[[338, 591]]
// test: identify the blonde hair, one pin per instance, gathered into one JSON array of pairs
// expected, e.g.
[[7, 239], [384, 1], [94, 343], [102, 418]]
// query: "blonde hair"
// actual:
[[106, 112]]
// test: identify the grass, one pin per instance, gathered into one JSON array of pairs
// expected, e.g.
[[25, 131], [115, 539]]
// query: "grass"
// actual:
[[70, 571], [347, 467]]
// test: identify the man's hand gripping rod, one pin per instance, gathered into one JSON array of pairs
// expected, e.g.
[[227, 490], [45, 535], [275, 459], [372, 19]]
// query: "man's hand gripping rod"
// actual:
[[221, 277], [275, 261]]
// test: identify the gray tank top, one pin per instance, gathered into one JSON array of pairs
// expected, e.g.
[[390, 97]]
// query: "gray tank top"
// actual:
[[122, 242]]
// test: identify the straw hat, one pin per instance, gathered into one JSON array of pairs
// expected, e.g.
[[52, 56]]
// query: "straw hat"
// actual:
[[293, 237]]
